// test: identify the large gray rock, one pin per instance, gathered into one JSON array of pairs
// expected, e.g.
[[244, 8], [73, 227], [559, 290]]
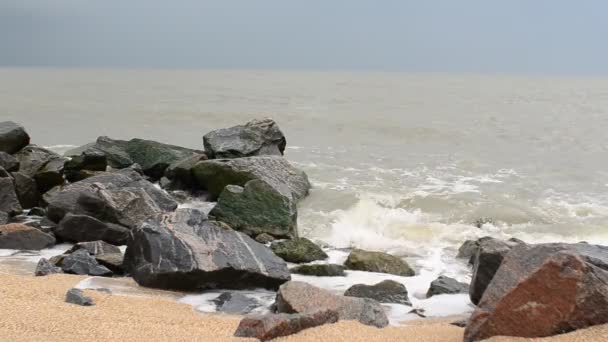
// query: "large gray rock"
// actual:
[[300, 297], [488, 257], [82, 263], [257, 208], [8, 162], [9, 203], [255, 138], [215, 175], [13, 137], [446, 285], [271, 326], [361, 260], [82, 228], [300, 250], [387, 291], [26, 190], [544, 290], [18, 236], [121, 197], [183, 251]]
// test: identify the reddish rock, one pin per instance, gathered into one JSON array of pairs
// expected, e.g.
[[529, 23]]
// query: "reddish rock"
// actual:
[[544, 290], [19, 236], [271, 326]]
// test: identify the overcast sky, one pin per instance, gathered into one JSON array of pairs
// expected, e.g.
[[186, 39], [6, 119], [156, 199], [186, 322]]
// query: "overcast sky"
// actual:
[[540, 36]]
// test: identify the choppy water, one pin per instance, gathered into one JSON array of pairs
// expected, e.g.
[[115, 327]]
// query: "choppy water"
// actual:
[[400, 162]]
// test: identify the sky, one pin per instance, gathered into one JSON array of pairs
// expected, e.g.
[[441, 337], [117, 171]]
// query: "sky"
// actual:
[[519, 36]]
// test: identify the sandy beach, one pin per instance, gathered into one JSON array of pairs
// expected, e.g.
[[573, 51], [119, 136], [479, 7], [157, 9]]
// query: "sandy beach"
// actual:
[[33, 309]]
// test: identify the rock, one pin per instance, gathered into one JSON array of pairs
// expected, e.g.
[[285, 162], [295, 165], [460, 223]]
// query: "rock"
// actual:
[[45, 267], [179, 174], [255, 138], [387, 291], [76, 296], [487, 260], [235, 303], [95, 248], [4, 173], [4, 218], [446, 285], [82, 228], [215, 175], [183, 251], [558, 287], [33, 158], [50, 175], [299, 250], [13, 137], [320, 270], [121, 197], [461, 323], [264, 238], [467, 250], [26, 190], [82, 263], [87, 164], [300, 297], [361, 260], [37, 211], [8, 162], [113, 261], [270, 326], [19, 236], [257, 208], [114, 150], [8, 198]]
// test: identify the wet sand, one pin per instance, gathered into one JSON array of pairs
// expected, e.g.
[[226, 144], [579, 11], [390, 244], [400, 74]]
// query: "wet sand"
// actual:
[[33, 309]]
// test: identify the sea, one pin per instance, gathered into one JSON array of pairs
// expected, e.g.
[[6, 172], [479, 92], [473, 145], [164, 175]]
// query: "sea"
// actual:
[[403, 163]]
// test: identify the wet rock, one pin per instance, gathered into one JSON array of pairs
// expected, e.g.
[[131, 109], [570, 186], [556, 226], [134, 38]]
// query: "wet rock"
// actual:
[[179, 174], [76, 296], [446, 285], [33, 158], [13, 137], [45, 267], [8, 162], [19, 236], [114, 150], [113, 261], [183, 251], [255, 138], [8, 198], [235, 303], [95, 248], [487, 260], [121, 197], [320, 270], [362, 260], [300, 297], [387, 291], [264, 238], [270, 326], [82, 228], [37, 211], [82, 263], [300, 250], [50, 175], [480, 222], [468, 250], [26, 190], [558, 287], [85, 165], [257, 208], [215, 175]]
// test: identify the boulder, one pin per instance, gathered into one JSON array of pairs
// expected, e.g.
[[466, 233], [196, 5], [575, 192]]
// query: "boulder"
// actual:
[[95, 248], [9, 203], [179, 175], [264, 238], [235, 303], [82, 228], [19, 236], [215, 175], [320, 270], [362, 260], [488, 257], [387, 291], [121, 197], [8, 162], [270, 326], [257, 208], [85, 165], [300, 297], [76, 296], [255, 138], [13, 137], [114, 150], [50, 175], [82, 263], [45, 267], [544, 290], [4, 173], [4, 218], [300, 250], [33, 158], [184, 251], [26, 190], [446, 285]]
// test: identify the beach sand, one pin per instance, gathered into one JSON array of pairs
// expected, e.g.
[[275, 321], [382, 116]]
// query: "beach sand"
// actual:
[[33, 309]]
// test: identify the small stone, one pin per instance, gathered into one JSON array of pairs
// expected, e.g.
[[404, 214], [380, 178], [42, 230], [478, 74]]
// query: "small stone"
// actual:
[[271, 326], [362, 260], [446, 285], [45, 267], [76, 296], [299, 250], [387, 291], [235, 303], [320, 270]]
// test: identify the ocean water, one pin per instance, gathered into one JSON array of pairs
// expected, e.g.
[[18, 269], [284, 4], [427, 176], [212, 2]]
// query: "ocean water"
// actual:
[[402, 163]]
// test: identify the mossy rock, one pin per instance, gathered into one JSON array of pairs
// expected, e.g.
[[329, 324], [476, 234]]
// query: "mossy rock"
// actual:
[[380, 262], [299, 250], [320, 270]]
